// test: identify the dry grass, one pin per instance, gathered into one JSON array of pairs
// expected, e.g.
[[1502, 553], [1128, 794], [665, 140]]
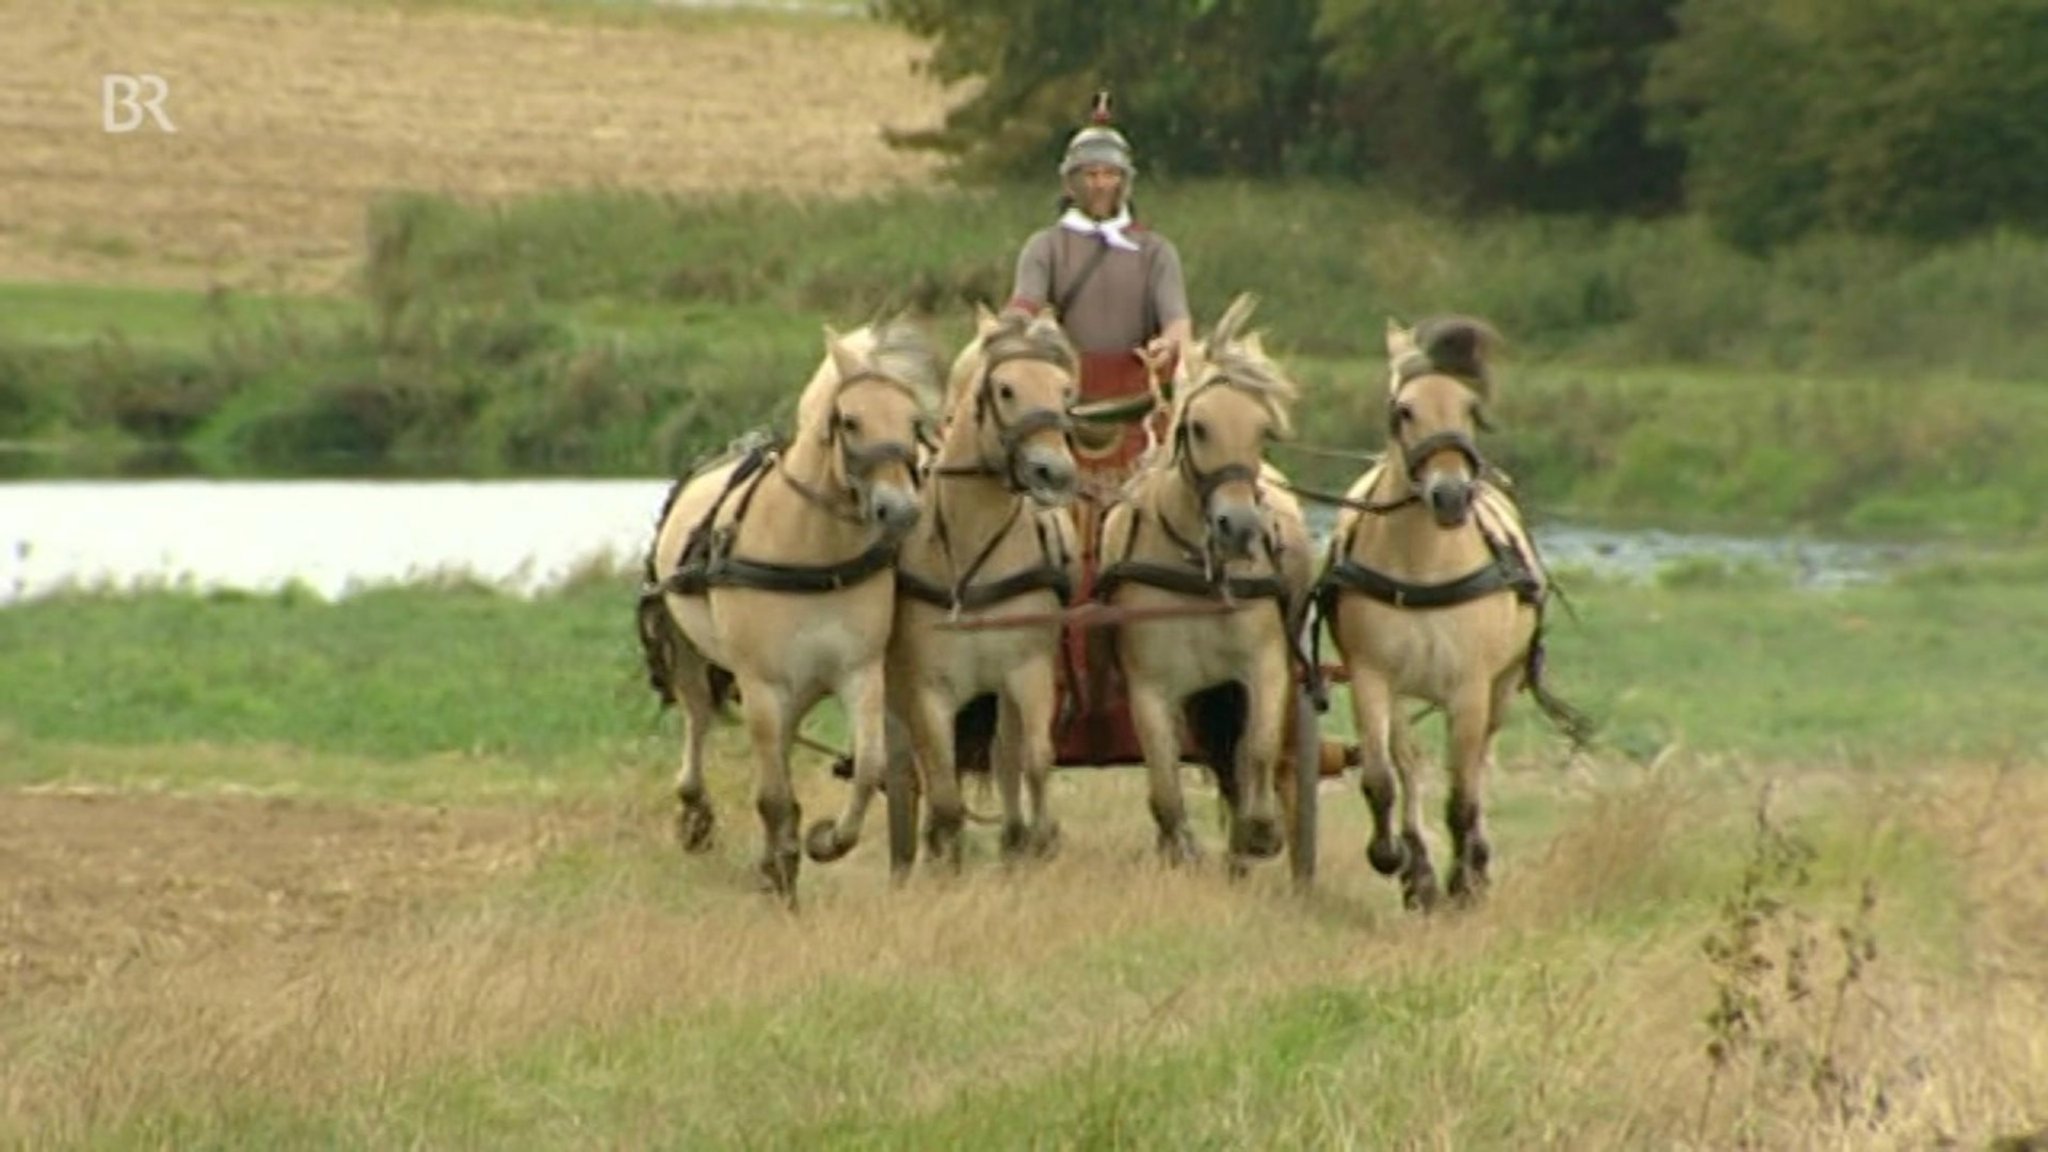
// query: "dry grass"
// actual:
[[290, 117], [602, 989]]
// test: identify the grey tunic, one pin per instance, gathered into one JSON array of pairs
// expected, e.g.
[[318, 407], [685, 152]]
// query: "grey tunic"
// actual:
[[1127, 300]]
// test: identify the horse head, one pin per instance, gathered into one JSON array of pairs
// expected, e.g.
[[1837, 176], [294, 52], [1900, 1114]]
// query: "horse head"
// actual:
[[1012, 388], [1439, 381], [1235, 400], [865, 413]]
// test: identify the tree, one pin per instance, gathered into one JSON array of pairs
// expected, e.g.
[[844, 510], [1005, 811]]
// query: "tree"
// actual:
[[1535, 104], [1203, 87], [1893, 116]]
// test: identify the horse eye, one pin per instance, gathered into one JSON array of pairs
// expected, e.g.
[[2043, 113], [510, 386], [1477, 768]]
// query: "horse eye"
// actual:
[[1006, 393], [1404, 414], [1198, 430], [849, 424]]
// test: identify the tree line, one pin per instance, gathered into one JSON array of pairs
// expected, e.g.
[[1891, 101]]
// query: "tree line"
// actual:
[[1771, 119]]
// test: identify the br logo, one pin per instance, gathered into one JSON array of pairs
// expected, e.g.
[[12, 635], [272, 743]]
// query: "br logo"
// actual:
[[130, 100]]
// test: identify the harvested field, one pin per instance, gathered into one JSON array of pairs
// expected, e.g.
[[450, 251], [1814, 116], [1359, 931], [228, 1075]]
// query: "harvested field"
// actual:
[[291, 117], [92, 882]]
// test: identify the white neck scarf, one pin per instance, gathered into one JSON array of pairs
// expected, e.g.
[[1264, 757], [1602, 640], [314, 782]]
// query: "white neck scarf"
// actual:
[[1111, 230]]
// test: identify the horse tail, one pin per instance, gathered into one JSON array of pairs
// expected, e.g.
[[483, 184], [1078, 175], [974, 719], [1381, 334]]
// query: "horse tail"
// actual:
[[659, 644], [1577, 726], [1217, 717], [661, 639]]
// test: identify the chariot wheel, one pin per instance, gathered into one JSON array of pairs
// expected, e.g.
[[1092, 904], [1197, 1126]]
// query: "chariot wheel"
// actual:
[[900, 794], [1308, 779]]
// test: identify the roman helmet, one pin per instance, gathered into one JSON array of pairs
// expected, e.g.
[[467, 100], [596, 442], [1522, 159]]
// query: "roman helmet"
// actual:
[[1099, 143]]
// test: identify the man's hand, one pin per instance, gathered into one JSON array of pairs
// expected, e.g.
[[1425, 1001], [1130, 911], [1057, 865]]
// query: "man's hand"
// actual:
[[1159, 352]]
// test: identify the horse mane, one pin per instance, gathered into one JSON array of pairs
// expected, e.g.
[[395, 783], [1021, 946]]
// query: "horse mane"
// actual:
[[1240, 358], [898, 348], [1461, 347], [1012, 335]]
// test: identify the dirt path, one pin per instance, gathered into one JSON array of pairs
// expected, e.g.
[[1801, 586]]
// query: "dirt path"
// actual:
[[93, 881], [290, 117]]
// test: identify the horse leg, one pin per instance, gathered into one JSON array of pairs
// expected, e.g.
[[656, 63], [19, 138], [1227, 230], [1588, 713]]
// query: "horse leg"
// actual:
[[864, 693], [1472, 726], [930, 716], [905, 788], [695, 820], [1373, 715], [1152, 715], [1026, 732], [771, 720], [1418, 876], [1255, 831], [1006, 765]]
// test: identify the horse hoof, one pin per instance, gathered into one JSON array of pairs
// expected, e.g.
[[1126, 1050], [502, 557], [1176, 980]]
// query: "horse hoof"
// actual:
[[1179, 850], [1467, 887], [1045, 839], [944, 850], [1259, 839], [777, 876], [822, 843], [1420, 893], [1387, 856], [694, 828], [1016, 841]]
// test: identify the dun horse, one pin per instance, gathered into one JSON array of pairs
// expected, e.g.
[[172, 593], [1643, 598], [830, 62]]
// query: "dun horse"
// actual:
[[1205, 520], [772, 575], [1434, 591], [995, 532]]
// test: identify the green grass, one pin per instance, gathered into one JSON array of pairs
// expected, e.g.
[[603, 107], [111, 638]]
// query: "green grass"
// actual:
[[1917, 670], [612, 992], [75, 314]]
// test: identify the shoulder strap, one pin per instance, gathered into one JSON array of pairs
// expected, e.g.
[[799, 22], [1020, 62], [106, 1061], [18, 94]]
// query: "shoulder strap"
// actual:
[[1066, 299]]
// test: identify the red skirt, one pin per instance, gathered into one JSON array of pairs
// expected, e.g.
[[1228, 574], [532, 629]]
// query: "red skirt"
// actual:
[[1100, 731]]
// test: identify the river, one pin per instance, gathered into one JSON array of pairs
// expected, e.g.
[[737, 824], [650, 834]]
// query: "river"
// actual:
[[335, 536]]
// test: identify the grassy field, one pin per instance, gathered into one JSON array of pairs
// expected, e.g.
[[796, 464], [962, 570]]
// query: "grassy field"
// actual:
[[396, 870]]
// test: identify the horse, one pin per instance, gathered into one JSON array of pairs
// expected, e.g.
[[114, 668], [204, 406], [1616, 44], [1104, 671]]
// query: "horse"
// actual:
[[1205, 521], [997, 530], [771, 579], [1432, 589]]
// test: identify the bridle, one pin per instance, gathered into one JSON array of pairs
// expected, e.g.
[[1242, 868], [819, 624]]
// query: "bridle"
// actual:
[[1011, 435], [858, 463], [1207, 483]]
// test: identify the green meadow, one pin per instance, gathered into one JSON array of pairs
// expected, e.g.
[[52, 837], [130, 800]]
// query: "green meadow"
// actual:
[[1770, 757], [1848, 385], [398, 870]]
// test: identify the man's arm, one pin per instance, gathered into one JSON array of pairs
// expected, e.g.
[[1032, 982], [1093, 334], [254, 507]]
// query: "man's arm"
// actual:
[[1032, 286], [1170, 304]]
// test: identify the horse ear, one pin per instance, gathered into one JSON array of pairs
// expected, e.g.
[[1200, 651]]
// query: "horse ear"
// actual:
[[1400, 340], [844, 359], [985, 321], [1255, 344]]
